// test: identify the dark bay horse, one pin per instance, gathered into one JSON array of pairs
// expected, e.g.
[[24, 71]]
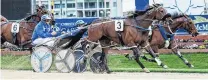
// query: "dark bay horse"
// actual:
[[26, 27], [180, 21], [131, 36]]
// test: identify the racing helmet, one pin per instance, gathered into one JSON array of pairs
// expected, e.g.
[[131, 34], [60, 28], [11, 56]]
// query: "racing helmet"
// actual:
[[45, 17], [79, 22]]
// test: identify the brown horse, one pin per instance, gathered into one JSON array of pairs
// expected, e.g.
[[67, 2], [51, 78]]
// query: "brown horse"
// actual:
[[130, 36], [27, 25], [179, 21]]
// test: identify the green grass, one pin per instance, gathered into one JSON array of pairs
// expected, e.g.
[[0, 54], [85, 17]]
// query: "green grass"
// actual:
[[120, 63], [200, 61]]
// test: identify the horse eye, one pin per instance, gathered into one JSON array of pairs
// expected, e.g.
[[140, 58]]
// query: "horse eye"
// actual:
[[190, 22]]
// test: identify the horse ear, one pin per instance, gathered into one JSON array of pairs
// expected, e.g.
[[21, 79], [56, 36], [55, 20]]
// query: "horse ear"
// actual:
[[149, 7], [157, 5], [154, 5], [168, 15], [37, 7], [43, 6]]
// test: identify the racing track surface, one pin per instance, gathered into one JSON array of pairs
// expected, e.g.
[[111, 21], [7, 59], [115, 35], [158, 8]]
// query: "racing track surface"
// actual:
[[29, 75]]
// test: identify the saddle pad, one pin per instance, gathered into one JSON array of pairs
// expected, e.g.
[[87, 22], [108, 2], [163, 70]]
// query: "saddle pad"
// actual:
[[15, 28], [119, 25]]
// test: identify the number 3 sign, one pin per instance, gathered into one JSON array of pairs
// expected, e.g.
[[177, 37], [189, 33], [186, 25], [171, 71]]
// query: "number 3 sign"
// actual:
[[119, 25], [15, 28]]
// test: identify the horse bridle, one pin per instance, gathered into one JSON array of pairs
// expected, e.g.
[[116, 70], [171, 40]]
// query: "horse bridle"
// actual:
[[186, 20], [25, 23], [186, 24]]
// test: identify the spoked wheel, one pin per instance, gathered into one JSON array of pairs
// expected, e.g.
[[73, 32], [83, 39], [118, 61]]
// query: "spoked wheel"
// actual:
[[64, 60], [96, 65], [81, 61], [41, 59]]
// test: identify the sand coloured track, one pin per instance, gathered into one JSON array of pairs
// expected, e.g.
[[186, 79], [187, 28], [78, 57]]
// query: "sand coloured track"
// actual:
[[29, 75]]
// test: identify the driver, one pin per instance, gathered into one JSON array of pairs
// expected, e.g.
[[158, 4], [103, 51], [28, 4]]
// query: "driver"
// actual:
[[43, 32]]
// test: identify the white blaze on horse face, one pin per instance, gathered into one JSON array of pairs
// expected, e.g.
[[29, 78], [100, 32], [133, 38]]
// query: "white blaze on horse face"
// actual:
[[15, 28], [119, 25]]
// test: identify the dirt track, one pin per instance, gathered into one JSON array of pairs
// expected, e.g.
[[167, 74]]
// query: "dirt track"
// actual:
[[29, 75]]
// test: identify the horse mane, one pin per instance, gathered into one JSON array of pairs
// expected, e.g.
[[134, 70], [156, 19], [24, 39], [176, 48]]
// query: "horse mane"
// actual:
[[175, 15], [142, 12], [100, 20], [137, 13], [27, 18]]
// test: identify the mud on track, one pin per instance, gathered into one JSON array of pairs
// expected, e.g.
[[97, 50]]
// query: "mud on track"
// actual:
[[29, 75]]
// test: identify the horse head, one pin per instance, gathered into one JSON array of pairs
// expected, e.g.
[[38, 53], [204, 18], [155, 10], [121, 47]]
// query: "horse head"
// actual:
[[33, 19], [152, 13], [41, 10], [184, 22], [157, 11]]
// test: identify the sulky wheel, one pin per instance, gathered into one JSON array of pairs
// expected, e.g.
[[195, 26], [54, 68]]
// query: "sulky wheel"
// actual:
[[81, 61], [41, 59], [96, 65], [64, 60]]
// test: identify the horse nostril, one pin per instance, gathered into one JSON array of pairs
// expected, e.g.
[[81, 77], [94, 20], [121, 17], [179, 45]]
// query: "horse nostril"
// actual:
[[197, 34]]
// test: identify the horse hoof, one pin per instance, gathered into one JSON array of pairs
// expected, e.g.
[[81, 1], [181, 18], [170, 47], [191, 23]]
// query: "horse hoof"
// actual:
[[191, 66], [158, 61], [34, 70], [165, 66], [109, 72], [146, 70]]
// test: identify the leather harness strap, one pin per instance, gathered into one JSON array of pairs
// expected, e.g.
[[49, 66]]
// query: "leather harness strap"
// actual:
[[120, 37], [14, 37]]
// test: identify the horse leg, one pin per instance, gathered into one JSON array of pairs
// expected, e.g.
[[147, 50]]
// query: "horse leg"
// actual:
[[146, 47], [155, 56], [137, 55], [155, 59], [104, 59], [2, 41], [178, 53], [85, 47]]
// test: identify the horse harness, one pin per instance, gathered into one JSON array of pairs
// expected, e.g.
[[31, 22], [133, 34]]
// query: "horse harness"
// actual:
[[120, 37], [14, 35]]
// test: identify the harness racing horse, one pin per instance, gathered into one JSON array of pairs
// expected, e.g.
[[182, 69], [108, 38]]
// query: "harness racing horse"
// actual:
[[180, 21], [26, 27], [131, 36]]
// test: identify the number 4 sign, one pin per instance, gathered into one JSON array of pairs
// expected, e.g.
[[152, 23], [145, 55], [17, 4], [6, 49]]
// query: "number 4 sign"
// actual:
[[119, 25], [15, 28]]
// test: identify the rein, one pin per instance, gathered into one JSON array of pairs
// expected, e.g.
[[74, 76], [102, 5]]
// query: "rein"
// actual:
[[178, 26], [4, 23], [170, 29]]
